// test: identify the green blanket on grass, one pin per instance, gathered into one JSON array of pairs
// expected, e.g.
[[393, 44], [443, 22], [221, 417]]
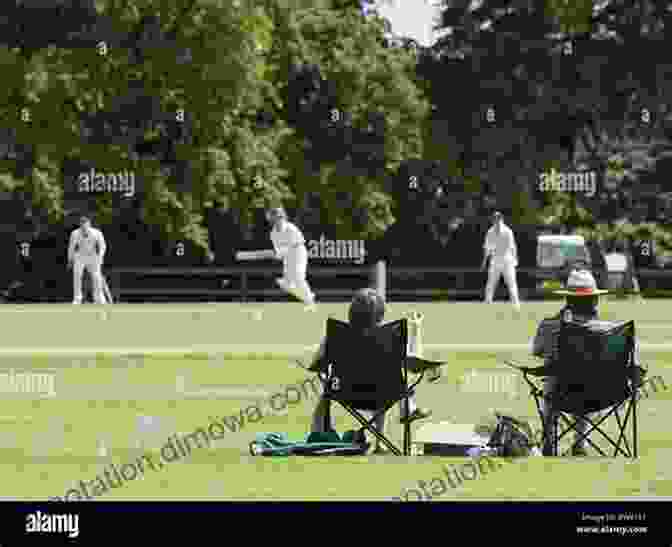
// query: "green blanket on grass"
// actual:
[[316, 444]]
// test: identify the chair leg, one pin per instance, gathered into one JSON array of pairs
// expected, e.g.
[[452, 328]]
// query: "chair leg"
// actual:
[[568, 426], [571, 426], [634, 425], [623, 428], [327, 417], [385, 441], [404, 412], [407, 439], [585, 436], [369, 426], [595, 426], [549, 433], [556, 438], [542, 418], [321, 416]]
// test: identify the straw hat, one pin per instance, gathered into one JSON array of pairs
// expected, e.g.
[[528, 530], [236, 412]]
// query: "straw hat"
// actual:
[[581, 283]]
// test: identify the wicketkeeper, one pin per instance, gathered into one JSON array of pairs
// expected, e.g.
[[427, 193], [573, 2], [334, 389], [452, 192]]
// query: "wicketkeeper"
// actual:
[[87, 251]]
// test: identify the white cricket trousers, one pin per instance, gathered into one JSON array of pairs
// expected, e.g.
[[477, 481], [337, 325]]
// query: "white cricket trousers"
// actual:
[[506, 269], [92, 265], [295, 266]]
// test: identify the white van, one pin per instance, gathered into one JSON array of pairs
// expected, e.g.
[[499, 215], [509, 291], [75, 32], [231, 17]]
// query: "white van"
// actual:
[[557, 254], [556, 251]]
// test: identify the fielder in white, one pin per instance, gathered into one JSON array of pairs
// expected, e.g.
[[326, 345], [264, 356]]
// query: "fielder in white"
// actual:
[[290, 247], [500, 248], [87, 251]]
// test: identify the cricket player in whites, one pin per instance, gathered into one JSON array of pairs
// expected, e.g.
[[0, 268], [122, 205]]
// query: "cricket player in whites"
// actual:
[[500, 248], [87, 251], [290, 247]]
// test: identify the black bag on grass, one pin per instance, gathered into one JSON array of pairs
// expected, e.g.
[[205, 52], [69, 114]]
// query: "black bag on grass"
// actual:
[[513, 438]]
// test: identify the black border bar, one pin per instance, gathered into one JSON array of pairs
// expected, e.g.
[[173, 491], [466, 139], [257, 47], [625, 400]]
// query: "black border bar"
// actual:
[[521, 523]]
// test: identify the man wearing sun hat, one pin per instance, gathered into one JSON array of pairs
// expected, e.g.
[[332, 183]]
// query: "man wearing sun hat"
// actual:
[[582, 298]]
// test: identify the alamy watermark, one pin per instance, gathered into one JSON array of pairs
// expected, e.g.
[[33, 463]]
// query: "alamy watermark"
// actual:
[[491, 382], [351, 250], [512, 385], [93, 181], [28, 382], [576, 182], [53, 524]]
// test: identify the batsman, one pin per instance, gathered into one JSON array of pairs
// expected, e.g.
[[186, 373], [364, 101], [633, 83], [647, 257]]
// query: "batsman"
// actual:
[[86, 250], [290, 247]]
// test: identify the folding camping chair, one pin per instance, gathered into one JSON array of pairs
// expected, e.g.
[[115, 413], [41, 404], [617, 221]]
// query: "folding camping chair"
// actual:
[[596, 379], [368, 371]]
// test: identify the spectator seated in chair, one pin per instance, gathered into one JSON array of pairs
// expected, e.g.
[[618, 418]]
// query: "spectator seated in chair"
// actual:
[[582, 299], [366, 311]]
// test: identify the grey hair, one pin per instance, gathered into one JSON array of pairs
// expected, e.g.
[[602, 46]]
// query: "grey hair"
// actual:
[[367, 309]]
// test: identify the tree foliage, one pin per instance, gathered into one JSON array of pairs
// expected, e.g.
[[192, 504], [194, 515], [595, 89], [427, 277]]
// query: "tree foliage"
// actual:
[[215, 104], [192, 96], [356, 108], [550, 85]]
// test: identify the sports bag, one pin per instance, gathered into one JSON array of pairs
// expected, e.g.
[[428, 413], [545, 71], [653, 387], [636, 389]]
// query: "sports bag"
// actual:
[[513, 438]]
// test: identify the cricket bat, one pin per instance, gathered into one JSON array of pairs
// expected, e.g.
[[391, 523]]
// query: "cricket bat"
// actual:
[[107, 292], [255, 255]]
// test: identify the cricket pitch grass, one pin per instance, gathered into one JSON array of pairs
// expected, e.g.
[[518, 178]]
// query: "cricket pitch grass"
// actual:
[[83, 389]]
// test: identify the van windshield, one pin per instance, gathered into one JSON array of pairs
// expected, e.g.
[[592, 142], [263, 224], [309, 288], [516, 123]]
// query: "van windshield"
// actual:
[[559, 254]]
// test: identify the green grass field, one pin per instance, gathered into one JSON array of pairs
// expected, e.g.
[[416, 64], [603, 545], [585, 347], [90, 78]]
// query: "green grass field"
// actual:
[[231, 357]]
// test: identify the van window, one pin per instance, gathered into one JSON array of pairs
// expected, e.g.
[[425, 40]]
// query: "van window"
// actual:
[[558, 255], [550, 256], [576, 253]]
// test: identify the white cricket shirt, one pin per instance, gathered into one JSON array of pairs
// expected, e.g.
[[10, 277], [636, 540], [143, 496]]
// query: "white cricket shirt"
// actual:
[[86, 245], [501, 246], [287, 238]]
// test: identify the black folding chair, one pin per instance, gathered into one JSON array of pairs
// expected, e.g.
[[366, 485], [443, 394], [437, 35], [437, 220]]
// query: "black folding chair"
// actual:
[[596, 379], [368, 371]]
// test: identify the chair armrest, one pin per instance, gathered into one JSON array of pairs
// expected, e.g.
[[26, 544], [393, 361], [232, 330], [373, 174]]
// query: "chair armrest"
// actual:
[[416, 365], [542, 370]]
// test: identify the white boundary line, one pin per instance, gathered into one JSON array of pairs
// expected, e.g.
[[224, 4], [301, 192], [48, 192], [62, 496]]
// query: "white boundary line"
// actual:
[[264, 350]]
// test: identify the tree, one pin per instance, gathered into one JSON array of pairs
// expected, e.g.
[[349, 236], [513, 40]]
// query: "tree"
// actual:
[[545, 87], [358, 112], [68, 88], [124, 96]]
